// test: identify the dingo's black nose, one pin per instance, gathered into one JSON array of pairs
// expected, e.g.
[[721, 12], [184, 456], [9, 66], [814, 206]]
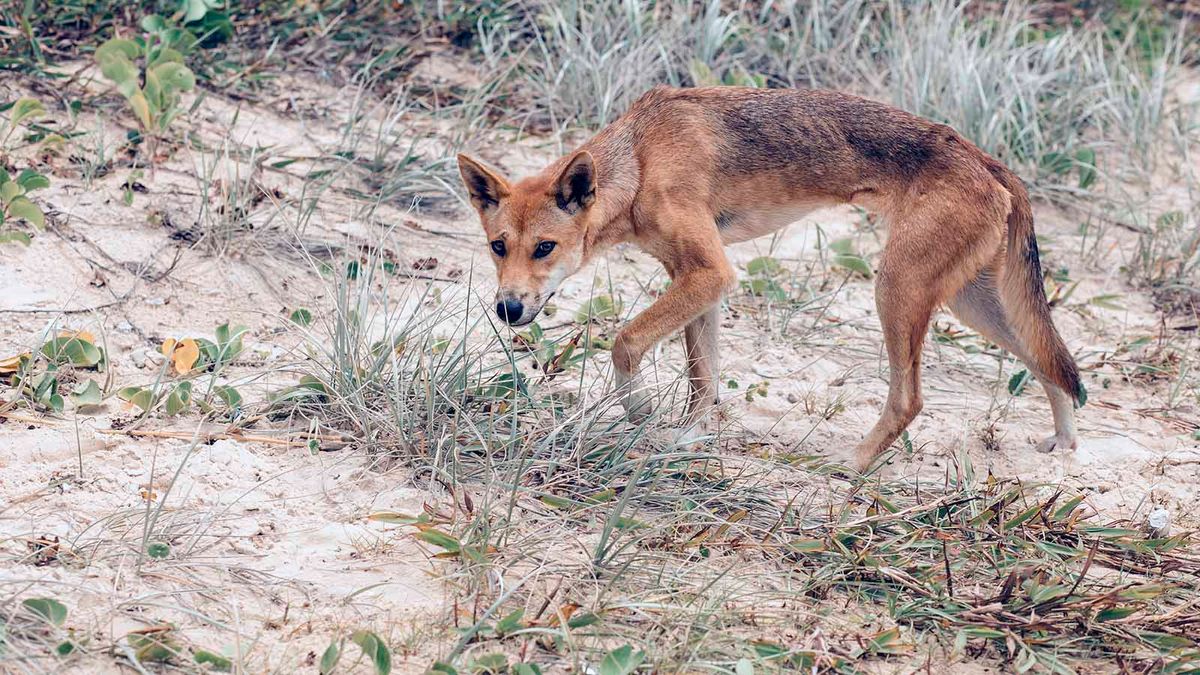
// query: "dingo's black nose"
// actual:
[[510, 311]]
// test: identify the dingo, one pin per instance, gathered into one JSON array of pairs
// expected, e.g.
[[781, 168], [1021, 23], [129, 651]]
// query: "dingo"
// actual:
[[686, 171]]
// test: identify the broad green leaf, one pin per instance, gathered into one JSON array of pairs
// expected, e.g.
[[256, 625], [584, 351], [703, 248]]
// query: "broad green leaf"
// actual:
[[853, 263], [122, 73], [76, 349], [20, 207], [301, 317], [26, 108], [375, 650], [30, 180], [764, 266], [599, 307], [173, 77], [47, 609], [138, 396], [621, 661], [330, 658], [15, 236], [230, 396], [117, 47], [9, 190], [178, 400], [489, 664], [86, 394], [1016, 383], [510, 623]]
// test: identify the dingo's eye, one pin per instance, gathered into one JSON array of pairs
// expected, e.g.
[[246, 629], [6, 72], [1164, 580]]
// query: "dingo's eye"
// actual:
[[543, 249], [498, 248]]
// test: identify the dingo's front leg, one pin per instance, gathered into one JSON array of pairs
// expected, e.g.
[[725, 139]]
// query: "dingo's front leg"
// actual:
[[690, 301], [700, 340]]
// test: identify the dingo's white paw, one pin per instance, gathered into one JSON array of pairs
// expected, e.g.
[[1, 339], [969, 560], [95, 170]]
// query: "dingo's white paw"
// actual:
[[635, 397], [1055, 443]]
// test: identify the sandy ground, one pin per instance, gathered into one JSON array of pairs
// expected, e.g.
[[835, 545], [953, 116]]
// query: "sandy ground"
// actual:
[[272, 542]]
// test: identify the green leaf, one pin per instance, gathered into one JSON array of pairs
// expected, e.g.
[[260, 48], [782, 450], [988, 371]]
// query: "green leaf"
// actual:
[[583, 620], [1114, 613], [330, 658], [853, 263], [122, 73], [215, 661], [764, 266], [230, 396], [599, 307], [141, 108], [179, 399], [301, 317], [173, 77], [375, 650], [526, 669], [511, 623], [621, 661], [20, 207], [86, 394], [74, 350], [31, 180], [1016, 383], [117, 47], [26, 108], [15, 236], [49, 610], [1024, 516], [1108, 301], [138, 396], [440, 539], [1085, 159], [807, 545], [767, 288]]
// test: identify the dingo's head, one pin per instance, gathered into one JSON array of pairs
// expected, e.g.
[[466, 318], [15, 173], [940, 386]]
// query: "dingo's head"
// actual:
[[536, 230]]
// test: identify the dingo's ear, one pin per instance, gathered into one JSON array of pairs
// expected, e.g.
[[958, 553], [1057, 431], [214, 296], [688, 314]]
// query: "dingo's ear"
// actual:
[[485, 186], [575, 188]]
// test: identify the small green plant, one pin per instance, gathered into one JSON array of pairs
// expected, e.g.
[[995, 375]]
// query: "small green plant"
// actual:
[[764, 283], [40, 377], [16, 206], [599, 308], [190, 357], [373, 649], [20, 112], [150, 73], [551, 356]]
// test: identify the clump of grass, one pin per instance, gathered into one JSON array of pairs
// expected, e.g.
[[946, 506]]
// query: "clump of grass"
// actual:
[[570, 533], [230, 220], [1050, 102]]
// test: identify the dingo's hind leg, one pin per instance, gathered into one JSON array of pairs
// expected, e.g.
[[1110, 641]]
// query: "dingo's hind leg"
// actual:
[[979, 305]]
